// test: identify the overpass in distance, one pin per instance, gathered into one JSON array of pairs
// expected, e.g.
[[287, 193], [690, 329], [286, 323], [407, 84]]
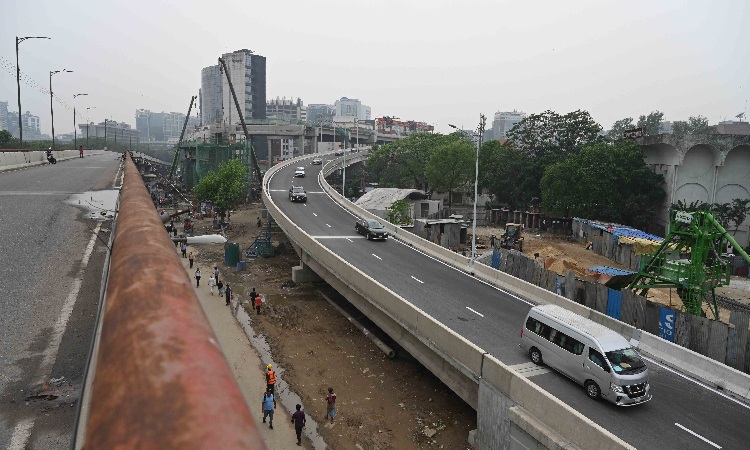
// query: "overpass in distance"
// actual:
[[465, 328]]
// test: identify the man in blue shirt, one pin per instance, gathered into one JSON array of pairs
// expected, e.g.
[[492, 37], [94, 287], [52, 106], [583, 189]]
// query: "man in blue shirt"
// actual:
[[269, 404]]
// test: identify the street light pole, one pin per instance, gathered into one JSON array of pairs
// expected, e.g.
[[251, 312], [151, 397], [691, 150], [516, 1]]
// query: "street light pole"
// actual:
[[88, 121], [18, 82], [480, 132], [51, 108], [75, 132]]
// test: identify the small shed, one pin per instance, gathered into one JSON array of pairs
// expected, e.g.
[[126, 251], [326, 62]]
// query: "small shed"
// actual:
[[378, 200]]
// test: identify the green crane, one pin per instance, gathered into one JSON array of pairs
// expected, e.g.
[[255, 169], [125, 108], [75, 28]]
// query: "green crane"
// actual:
[[689, 260], [182, 135]]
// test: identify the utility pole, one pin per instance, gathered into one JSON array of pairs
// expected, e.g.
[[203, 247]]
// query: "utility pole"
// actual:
[[51, 108], [18, 83], [75, 132]]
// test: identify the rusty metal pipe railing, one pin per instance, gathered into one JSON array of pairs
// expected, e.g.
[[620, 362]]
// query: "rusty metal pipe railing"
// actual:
[[161, 380]]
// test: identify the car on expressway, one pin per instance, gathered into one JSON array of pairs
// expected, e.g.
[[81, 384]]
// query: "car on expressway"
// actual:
[[297, 194], [339, 153], [371, 229], [299, 172], [317, 161]]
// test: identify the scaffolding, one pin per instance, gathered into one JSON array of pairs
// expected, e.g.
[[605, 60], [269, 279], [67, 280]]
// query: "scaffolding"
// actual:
[[201, 158]]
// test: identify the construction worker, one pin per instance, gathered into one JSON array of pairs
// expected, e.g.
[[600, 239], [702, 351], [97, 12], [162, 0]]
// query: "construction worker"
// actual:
[[270, 379]]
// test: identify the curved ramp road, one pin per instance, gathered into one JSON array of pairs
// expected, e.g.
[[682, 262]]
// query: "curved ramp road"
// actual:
[[683, 414], [50, 276]]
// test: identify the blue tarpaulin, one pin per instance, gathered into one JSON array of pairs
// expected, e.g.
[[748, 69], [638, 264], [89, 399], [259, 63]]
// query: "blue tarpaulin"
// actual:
[[612, 271], [614, 303]]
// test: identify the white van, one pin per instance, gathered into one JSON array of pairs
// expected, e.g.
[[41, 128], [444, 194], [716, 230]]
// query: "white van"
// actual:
[[590, 354]]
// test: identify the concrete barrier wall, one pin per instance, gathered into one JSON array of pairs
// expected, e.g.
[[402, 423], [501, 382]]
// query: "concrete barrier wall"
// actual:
[[471, 360], [17, 160]]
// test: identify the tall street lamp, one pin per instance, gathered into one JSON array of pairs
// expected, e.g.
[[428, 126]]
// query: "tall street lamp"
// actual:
[[88, 121], [51, 108], [75, 131], [18, 82], [480, 133]]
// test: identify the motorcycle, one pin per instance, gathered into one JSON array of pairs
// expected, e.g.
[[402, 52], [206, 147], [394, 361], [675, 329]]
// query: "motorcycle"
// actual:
[[50, 158]]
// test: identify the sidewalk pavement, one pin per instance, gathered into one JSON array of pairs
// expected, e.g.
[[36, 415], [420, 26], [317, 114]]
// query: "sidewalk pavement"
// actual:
[[243, 359]]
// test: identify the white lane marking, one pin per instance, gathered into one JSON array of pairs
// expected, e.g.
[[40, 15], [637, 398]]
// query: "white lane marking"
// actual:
[[329, 226], [350, 239], [377, 256], [477, 313], [277, 190], [305, 205], [21, 434], [697, 435], [50, 354], [417, 279], [315, 215]]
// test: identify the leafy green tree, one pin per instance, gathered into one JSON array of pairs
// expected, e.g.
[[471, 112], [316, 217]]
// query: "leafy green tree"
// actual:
[[399, 212], [737, 213], [5, 139], [503, 173], [694, 125], [693, 206], [651, 123], [604, 181], [225, 188], [549, 138], [450, 167], [619, 128]]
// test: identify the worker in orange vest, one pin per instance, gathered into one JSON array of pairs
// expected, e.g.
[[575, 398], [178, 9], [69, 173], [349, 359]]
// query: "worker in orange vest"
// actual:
[[270, 379], [258, 302]]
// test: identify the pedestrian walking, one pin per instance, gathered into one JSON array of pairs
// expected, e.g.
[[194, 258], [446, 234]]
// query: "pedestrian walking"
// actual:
[[220, 286], [228, 293], [258, 302], [298, 419], [183, 248], [492, 241], [260, 222], [216, 273], [191, 259], [270, 379], [80, 151], [198, 277], [269, 404], [330, 404], [211, 284], [253, 294]]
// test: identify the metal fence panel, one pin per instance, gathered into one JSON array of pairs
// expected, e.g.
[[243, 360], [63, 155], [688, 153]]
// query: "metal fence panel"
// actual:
[[602, 294], [591, 295], [614, 303], [699, 334], [627, 308], [653, 312], [717, 341], [682, 328], [737, 339]]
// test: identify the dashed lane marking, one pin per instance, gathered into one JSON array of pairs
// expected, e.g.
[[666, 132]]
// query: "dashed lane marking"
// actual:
[[698, 436], [477, 313], [417, 279]]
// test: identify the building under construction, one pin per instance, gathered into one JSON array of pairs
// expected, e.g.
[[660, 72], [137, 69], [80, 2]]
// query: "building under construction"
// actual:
[[197, 158]]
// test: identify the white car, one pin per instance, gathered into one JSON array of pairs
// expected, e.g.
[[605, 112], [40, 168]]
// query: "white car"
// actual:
[[317, 161], [299, 172]]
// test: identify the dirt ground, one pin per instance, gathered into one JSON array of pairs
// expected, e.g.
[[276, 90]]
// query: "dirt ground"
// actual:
[[382, 403], [561, 255]]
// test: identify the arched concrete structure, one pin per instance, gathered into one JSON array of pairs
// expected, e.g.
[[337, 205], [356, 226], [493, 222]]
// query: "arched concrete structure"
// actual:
[[709, 168]]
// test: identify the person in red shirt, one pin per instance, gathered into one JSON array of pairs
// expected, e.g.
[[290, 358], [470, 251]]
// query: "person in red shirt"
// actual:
[[258, 302], [80, 151], [330, 404]]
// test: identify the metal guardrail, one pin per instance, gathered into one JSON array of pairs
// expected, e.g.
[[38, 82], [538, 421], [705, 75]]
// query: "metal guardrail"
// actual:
[[160, 380]]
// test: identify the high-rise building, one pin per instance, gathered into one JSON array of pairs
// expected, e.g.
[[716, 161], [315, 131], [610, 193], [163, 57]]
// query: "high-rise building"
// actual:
[[31, 125], [320, 114], [3, 115], [346, 109], [284, 109], [210, 95], [504, 122], [248, 73], [142, 119]]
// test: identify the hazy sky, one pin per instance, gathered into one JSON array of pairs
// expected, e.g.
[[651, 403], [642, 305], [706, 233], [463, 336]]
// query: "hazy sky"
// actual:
[[436, 61]]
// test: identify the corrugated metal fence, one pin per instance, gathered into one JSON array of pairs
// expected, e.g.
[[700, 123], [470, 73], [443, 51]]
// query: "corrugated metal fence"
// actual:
[[728, 344]]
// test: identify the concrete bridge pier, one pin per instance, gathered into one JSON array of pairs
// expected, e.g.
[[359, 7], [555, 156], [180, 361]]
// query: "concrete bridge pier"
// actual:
[[304, 274]]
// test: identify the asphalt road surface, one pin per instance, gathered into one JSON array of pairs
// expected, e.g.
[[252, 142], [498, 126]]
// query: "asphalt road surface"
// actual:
[[50, 278], [683, 414]]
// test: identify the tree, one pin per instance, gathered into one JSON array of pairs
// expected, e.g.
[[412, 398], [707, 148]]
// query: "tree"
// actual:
[[225, 188], [694, 125], [451, 166], [399, 212], [503, 173], [609, 182], [651, 123], [549, 138], [619, 128], [737, 213], [5, 139]]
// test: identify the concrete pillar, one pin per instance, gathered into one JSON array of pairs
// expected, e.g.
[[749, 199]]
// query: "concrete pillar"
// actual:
[[493, 424], [300, 142], [303, 274]]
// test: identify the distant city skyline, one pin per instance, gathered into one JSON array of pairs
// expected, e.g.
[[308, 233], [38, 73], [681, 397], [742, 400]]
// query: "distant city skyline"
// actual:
[[613, 61]]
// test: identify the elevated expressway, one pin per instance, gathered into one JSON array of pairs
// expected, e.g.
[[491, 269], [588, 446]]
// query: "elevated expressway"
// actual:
[[463, 324]]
